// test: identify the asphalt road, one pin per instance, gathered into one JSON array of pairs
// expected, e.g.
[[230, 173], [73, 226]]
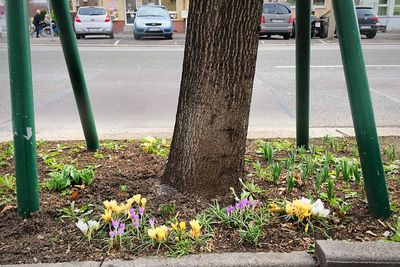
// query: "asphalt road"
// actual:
[[134, 85]]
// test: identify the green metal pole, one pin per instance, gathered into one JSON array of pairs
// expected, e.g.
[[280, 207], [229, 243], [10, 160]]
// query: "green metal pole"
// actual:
[[361, 108], [303, 44], [19, 60], [72, 58]]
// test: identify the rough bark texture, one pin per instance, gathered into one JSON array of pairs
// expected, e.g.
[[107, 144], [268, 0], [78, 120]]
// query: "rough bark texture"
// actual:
[[207, 150]]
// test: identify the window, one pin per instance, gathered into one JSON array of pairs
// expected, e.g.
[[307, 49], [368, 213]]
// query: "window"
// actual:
[[291, 2], [318, 3], [169, 4], [396, 10], [383, 8], [276, 9]]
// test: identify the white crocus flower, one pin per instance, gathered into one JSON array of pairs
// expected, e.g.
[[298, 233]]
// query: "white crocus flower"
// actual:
[[318, 209], [84, 227], [93, 225]]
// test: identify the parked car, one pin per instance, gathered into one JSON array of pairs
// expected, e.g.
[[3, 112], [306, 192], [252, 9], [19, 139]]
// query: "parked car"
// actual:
[[93, 21], [276, 19], [152, 20], [368, 21]]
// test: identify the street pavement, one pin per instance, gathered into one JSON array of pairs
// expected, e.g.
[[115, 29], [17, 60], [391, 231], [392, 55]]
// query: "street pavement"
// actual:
[[134, 85]]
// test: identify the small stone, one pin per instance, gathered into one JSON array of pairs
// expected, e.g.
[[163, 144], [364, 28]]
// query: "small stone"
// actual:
[[386, 234], [40, 237]]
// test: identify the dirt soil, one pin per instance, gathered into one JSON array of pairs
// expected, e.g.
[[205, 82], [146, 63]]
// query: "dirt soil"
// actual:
[[46, 238]]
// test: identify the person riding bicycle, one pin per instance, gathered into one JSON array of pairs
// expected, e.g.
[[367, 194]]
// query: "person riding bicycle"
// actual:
[[37, 22]]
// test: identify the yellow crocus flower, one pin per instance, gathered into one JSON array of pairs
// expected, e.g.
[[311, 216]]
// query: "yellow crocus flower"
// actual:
[[174, 226], [195, 231], [162, 232], [152, 233], [143, 202], [137, 198], [107, 216], [182, 226], [274, 208]]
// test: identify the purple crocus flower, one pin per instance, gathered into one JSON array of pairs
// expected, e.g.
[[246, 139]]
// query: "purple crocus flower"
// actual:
[[132, 211], [141, 211], [245, 202], [254, 203], [135, 217], [115, 223], [122, 225], [238, 206], [152, 222], [136, 224], [120, 231], [230, 209], [111, 234]]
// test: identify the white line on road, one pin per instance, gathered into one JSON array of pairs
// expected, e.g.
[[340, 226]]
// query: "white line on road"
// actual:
[[385, 95], [338, 66], [117, 42]]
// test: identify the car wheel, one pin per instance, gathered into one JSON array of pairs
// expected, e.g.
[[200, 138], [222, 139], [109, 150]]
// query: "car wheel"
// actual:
[[137, 37], [78, 36], [371, 35], [83, 36], [286, 36], [112, 36], [169, 37], [268, 35]]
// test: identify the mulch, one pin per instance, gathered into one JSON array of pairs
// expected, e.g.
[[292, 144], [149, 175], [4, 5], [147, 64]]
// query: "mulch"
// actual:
[[46, 238]]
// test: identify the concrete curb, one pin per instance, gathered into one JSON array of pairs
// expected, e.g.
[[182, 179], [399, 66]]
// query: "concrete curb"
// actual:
[[259, 259], [253, 133], [343, 253]]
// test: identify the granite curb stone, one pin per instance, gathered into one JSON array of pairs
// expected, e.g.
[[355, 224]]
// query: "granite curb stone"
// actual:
[[357, 254], [259, 259]]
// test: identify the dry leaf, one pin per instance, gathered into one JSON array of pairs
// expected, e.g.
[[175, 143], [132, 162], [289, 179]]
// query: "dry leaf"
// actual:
[[8, 207]]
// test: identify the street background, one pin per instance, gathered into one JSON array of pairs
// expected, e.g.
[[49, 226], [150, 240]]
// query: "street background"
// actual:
[[134, 85]]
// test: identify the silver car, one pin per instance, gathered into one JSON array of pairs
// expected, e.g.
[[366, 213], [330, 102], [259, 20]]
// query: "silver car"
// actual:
[[93, 21], [276, 19]]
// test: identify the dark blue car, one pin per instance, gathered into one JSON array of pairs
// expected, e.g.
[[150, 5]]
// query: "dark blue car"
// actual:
[[152, 20]]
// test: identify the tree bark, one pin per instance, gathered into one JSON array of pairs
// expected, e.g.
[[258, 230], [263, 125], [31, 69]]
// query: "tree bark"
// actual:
[[209, 141]]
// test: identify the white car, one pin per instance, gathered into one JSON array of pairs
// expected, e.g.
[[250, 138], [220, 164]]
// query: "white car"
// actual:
[[93, 20]]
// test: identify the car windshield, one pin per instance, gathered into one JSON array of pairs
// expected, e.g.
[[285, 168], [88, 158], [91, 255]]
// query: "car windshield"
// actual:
[[365, 12], [92, 11], [152, 12], [275, 9]]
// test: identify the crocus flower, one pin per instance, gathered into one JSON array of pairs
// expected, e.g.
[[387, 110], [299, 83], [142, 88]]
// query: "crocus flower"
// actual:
[[195, 229], [111, 234], [254, 203], [135, 217], [174, 226], [115, 223], [152, 222], [182, 225], [141, 211], [93, 225], [83, 227], [143, 202], [229, 209], [318, 209], [120, 231], [136, 224], [137, 198], [107, 216]]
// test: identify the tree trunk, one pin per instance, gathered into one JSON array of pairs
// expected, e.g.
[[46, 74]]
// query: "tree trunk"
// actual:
[[209, 141]]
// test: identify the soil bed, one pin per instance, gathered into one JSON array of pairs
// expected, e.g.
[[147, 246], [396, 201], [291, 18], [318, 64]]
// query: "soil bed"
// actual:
[[123, 169]]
